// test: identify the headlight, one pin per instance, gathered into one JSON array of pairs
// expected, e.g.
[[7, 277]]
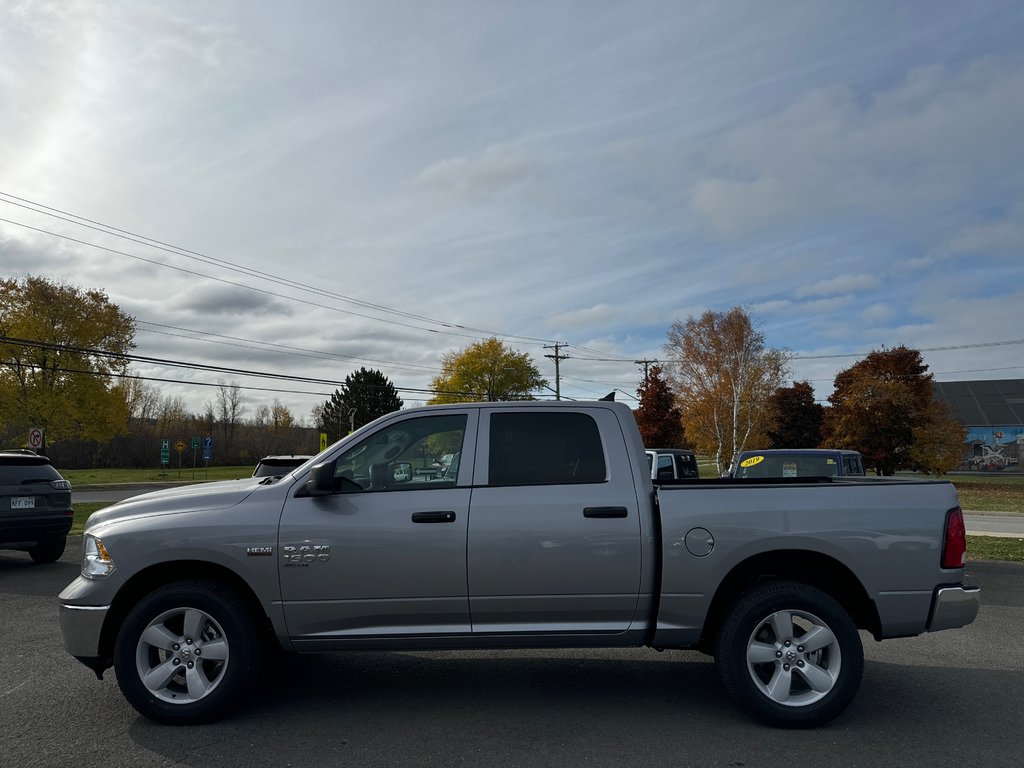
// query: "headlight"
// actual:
[[96, 562]]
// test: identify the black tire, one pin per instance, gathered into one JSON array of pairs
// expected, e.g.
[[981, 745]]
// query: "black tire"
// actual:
[[183, 685], [48, 551], [767, 668]]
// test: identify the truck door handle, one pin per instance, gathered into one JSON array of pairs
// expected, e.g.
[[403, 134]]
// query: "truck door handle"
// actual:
[[433, 517], [605, 512]]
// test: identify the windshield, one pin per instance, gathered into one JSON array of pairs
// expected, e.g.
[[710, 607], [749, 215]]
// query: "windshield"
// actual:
[[788, 465]]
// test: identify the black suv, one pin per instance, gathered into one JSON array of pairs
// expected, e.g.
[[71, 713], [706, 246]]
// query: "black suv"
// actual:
[[35, 506]]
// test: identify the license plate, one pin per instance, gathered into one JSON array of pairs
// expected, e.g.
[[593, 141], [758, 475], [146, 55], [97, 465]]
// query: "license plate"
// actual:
[[23, 502]]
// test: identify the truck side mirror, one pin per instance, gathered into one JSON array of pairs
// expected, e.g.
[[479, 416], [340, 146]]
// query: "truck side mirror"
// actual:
[[321, 479]]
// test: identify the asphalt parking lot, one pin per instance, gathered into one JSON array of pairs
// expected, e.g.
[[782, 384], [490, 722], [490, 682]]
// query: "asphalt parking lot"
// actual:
[[952, 698]]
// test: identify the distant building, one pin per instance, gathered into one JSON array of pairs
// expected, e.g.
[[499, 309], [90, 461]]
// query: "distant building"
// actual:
[[993, 412]]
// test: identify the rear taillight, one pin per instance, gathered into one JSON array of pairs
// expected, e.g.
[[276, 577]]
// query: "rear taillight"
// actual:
[[60, 485], [954, 547]]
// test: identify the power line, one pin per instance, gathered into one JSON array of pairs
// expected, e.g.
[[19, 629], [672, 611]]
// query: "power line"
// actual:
[[233, 283], [280, 348], [77, 220], [123, 357], [248, 271], [975, 345]]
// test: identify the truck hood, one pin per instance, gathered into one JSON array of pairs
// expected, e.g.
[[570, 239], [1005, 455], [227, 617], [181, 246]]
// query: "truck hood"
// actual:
[[188, 498]]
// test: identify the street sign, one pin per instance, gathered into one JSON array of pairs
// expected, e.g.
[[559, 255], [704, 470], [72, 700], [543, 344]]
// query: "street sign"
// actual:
[[323, 441], [165, 451], [195, 443], [35, 438], [207, 448], [180, 446]]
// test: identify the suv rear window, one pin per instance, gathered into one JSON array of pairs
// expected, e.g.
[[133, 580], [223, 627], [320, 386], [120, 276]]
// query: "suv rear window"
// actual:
[[16, 470]]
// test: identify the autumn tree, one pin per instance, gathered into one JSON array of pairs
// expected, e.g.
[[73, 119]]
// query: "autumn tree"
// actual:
[[939, 440], [230, 407], [658, 417], [62, 351], [365, 395], [796, 417], [723, 376], [486, 371], [884, 406]]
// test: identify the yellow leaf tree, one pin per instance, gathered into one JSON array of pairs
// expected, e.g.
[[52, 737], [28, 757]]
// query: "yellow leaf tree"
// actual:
[[723, 377], [61, 351], [486, 371]]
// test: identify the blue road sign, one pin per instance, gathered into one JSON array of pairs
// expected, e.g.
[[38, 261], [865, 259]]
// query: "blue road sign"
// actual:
[[207, 448]]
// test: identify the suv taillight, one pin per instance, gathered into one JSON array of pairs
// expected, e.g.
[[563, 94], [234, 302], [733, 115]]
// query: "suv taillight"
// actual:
[[954, 548], [60, 485]]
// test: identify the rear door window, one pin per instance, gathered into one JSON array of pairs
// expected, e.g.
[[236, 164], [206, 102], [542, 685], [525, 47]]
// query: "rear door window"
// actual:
[[545, 449]]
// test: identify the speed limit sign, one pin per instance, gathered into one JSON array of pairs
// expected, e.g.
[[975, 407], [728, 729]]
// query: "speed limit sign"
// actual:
[[35, 438]]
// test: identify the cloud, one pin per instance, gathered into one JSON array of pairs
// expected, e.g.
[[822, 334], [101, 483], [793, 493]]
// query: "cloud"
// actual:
[[225, 300], [877, 313], [801, 308], [499, 168], [598, 315], [1000, 235], [935, 141], [838, 284]]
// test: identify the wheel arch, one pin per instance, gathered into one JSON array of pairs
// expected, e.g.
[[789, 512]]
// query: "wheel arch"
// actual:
[[808, 567], [160, 574]]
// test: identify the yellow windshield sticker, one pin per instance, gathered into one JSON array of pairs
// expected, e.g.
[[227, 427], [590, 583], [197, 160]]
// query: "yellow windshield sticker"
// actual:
[[751, 461], [830, 461]]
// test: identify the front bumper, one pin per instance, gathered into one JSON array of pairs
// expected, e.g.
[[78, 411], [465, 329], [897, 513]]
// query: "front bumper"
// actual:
[[953, 607], [81, 626]]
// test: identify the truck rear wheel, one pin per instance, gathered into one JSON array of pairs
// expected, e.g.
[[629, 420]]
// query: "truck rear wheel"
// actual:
[[185, 652], [791, 654]]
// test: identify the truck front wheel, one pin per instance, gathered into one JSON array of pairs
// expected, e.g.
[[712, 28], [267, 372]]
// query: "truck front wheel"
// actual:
[[185, 652], [791, 654]]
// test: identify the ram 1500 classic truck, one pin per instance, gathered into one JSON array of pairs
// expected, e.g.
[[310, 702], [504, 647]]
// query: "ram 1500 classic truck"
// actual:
[[543, 530]]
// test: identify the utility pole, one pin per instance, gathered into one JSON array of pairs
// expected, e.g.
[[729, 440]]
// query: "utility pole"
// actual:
[[557, 358], [645, 363]]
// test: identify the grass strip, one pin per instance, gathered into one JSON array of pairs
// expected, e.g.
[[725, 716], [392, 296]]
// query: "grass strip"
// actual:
[[995, 548]]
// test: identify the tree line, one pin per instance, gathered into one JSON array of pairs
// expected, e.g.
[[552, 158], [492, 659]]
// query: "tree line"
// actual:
[[64, 366], [722, 391]]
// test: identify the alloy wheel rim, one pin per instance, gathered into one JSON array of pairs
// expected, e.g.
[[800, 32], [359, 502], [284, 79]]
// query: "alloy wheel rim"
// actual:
[[182, 656], [793, 658]]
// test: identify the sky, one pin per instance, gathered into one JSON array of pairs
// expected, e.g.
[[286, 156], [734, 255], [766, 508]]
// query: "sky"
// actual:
[[311, 187]]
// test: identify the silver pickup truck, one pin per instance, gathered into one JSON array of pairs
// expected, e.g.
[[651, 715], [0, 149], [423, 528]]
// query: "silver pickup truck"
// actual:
[[543, 529]]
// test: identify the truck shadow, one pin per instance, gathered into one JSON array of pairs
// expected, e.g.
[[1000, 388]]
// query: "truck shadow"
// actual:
[[576, 707]]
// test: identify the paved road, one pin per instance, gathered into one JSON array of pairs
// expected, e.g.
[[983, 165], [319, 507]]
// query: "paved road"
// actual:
[[977, 523], [948, 699], [995, 524]]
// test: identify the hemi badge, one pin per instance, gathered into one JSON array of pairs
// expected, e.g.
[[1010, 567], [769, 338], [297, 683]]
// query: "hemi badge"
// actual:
[[259, 551]]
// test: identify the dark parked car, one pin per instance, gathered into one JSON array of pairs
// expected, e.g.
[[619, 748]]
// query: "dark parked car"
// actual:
[[798, 462], [35, 506], [271, 466]]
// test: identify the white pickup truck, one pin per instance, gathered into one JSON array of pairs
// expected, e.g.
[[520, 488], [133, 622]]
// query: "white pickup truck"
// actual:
[[544, 530]]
